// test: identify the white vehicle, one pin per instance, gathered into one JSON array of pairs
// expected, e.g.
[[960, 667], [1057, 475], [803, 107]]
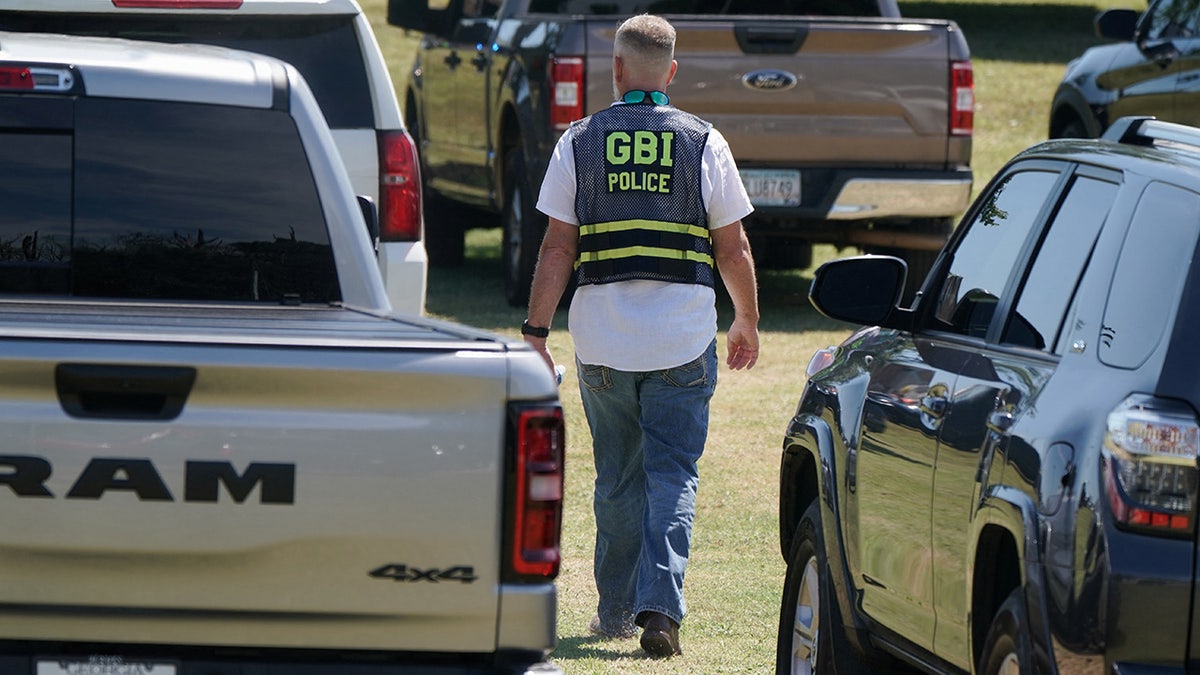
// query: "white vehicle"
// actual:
[[220, 450], [331, 43]]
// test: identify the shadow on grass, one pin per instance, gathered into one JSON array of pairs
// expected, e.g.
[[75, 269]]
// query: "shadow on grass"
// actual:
[[573, 648], [1034, 33]]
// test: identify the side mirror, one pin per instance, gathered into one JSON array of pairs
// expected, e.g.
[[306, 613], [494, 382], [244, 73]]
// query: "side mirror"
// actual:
[[863, 290], [1117, 24], [370, 216]]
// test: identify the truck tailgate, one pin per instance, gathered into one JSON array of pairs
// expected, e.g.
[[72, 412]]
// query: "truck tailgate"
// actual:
[[261, 515], [827, 87]]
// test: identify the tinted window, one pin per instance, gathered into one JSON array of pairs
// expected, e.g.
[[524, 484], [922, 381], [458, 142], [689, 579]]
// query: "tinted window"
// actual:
[[1150, 274], [324, 49], [1173, 19], [984, 258], [170, 201], [1059, 265]]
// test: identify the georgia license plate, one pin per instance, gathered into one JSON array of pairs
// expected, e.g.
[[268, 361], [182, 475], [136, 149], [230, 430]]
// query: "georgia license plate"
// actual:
[[772, 187], [103, 665]]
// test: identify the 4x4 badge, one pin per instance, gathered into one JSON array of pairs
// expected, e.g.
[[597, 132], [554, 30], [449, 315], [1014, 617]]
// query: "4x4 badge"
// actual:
[[400, 572]]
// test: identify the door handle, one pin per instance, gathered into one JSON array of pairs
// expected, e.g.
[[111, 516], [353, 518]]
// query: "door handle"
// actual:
[[480, 61], [452, 60], [124, 392]]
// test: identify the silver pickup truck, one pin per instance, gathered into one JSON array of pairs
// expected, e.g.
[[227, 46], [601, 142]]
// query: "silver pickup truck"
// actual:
[[222, 452]]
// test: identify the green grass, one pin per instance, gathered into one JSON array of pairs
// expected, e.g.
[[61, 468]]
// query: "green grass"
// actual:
[[735, 575]]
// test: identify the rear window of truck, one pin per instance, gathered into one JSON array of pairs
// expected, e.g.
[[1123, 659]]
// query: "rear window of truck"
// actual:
[[159, 201], [324, 49]]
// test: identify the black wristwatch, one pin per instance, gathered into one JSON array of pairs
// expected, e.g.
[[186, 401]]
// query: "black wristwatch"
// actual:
[[535, 331]]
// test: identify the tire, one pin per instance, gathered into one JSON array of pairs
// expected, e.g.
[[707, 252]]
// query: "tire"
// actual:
[[781, 253], [444, 236], [523, 228], [812, 639], [1074, 128], [1008, 649]]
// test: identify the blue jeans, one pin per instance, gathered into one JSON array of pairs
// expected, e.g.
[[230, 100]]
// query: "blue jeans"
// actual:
[[648, 431]]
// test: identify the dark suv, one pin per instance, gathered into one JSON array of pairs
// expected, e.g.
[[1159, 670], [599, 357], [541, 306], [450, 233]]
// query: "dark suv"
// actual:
[[1002, 477], [1152, 68]]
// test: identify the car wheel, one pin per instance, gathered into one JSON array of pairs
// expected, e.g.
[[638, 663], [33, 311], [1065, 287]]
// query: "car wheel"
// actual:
[[444, 235], [812, 640], [1007, 649], [1072, 129], [524, 228]]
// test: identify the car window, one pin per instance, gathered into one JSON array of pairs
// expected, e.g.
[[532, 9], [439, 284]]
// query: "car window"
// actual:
[[981, 266], [1170, 19], [160, 200], [1059, 264], [324, 49], [1150, 275], [721, 7]]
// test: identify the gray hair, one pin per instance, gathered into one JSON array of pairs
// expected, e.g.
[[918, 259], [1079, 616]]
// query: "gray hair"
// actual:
[[646, 38]]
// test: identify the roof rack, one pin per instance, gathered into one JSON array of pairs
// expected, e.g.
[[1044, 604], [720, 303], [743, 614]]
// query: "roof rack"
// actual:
[[1136, 130]]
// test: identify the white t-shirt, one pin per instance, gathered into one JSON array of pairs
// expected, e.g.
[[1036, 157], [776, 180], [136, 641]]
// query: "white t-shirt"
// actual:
[[645, 325]]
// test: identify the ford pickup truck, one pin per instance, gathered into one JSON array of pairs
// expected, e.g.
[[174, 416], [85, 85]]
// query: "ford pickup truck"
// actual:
[[222, 451], [850, 124]]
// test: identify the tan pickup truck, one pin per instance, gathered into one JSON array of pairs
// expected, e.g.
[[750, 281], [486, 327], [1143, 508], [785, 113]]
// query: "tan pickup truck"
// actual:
[[850, 124]]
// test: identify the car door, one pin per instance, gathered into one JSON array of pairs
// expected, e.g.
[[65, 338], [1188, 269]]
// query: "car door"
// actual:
[[471, 91], [1186, 106], [999, 384], [909, 399], [1143, 81]]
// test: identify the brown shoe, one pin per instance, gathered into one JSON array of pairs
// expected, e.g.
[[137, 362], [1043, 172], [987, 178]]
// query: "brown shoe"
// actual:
[[660, 637]]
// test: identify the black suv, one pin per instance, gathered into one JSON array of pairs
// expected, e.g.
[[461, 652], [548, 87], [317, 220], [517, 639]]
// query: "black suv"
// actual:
[[1152, 68], [1002, 477]]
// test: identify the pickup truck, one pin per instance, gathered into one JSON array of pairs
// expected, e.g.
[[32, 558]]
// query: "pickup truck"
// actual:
[[223, 451], [850, 124], [332, 45]]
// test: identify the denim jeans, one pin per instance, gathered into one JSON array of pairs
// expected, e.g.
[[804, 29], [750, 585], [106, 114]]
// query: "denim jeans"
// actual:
[[648, 431]]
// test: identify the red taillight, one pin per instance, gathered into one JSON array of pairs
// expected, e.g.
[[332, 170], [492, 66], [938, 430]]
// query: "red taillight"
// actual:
[[178, 4], [1150, 472], [540, 451], [399, 188], [16, 77], [962, 98], [566, 91]]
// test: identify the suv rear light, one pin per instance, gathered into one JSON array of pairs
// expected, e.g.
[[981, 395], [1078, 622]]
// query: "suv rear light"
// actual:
[[1150, 452], [399, 188], [962, 98], [537, 490], [566, 89], [178, 4]]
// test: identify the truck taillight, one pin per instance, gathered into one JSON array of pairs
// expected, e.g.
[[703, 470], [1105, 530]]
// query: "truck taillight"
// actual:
[[399, 188], [540, 447], [1150, 475], [962, 98], [16, 77], [566, 91]]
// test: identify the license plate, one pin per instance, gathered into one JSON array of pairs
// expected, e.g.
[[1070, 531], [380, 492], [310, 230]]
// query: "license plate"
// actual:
[[772, 187], [103, 665]]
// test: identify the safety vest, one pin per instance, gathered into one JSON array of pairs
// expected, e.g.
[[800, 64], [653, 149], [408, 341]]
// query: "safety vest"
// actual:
[[638, 200]]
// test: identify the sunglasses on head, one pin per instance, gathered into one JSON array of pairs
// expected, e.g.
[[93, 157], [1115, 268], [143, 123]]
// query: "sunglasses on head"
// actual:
[[638, 96]]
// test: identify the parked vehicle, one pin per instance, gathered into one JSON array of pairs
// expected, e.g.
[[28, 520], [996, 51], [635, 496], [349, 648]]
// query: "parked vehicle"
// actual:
[[223, 453], [1149, 69], [332, 45], [850, 124], [1002, 478]]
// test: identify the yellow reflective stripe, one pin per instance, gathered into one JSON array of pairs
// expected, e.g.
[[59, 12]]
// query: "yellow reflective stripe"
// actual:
[[656, 225], [647, 251]]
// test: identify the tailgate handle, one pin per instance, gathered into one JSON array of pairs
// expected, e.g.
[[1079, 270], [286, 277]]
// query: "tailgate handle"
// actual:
[[769, 39], [123, 392]]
